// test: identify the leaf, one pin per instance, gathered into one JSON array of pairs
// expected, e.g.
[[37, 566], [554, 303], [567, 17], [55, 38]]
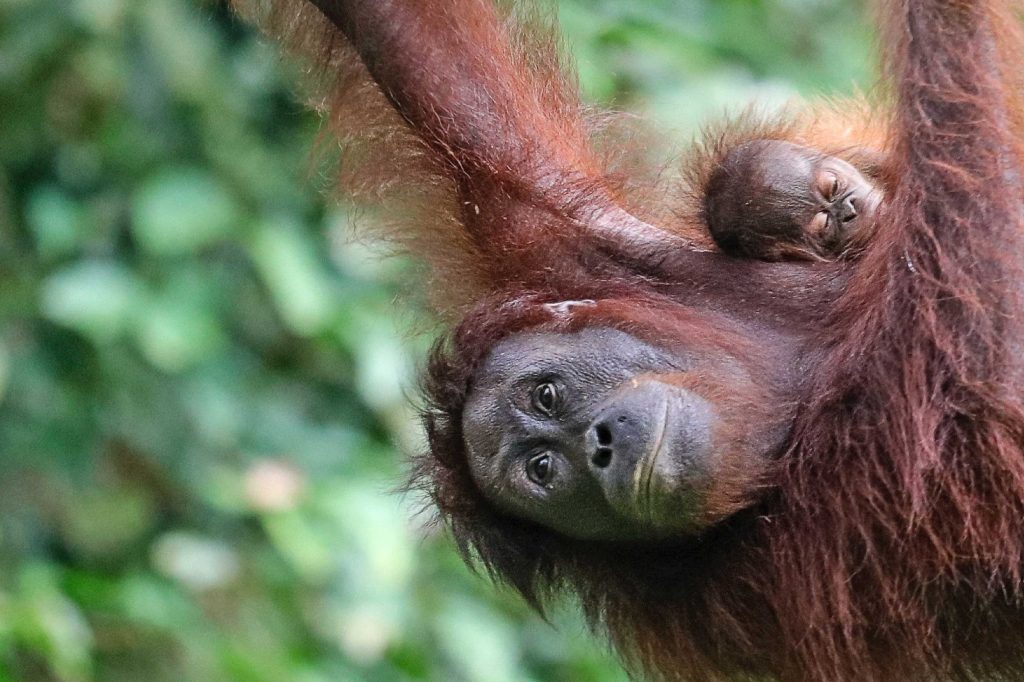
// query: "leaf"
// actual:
[[481, 644], [177, 329], [56, 221], [294, 276], [97, 298], [182, 210]]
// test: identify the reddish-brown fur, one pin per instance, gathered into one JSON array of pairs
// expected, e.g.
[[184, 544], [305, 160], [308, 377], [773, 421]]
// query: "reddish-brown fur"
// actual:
[[847, 129], [886, 542]]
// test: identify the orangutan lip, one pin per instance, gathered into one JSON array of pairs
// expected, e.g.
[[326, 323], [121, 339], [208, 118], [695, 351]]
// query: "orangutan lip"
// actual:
[[645, 468]]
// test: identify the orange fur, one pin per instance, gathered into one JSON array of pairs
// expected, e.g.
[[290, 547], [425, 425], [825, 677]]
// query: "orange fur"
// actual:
[[886, 542]]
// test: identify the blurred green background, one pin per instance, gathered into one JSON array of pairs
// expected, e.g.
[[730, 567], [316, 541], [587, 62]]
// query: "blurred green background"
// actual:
[[204, 382]]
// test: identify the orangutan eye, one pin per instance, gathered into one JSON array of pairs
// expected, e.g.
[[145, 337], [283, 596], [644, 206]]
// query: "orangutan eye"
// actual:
[[545, 398], [540, 469], [819, 223], [828, 184]]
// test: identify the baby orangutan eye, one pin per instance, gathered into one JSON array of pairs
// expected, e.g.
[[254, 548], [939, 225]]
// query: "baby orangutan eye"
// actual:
[[828, 184], [545, 398], [819, 223], [540, 470]]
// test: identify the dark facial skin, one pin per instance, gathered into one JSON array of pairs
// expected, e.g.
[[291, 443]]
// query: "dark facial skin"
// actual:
[[775, 200], [591, 435]]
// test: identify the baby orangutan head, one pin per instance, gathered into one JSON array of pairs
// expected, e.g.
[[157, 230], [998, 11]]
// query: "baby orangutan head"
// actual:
[[776, 200]]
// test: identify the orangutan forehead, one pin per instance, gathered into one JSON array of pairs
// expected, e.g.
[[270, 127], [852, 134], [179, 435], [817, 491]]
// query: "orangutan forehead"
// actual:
[[592, 348]]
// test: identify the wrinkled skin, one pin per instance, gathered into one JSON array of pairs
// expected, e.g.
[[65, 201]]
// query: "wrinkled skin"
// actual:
[[775, 200], [598, 435]]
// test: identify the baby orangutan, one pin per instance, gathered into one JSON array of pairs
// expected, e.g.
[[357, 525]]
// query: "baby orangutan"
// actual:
[[775, 200]]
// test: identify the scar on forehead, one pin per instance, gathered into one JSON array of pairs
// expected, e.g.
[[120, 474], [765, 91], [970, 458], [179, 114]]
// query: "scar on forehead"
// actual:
[[565, 307]]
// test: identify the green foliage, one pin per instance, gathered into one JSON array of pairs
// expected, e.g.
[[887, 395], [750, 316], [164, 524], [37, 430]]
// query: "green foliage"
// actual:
[[204, 383]]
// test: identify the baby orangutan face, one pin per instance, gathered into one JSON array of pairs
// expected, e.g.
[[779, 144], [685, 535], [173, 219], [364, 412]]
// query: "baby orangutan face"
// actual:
[[775, 200]]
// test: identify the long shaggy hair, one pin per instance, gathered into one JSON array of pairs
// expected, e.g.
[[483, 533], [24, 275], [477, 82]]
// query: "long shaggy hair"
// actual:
[[888, 539]]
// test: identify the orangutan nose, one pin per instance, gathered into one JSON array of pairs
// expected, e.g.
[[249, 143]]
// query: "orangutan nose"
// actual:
[[601, 448], [847, 210], [620, 434]]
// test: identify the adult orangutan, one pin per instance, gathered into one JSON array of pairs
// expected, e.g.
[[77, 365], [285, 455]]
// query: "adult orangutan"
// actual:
[[745, 470]]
